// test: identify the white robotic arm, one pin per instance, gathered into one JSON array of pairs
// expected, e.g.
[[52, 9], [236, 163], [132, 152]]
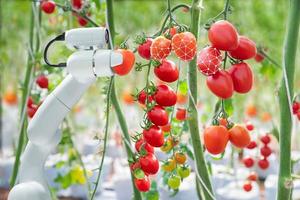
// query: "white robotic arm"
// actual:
[[83, 66]]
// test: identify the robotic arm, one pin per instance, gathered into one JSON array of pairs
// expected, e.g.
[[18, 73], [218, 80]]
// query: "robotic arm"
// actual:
[[83, 66]]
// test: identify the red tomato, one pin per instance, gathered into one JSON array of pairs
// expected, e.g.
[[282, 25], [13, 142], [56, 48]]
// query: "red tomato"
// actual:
[[181, 114], [249, 126], [48, 6], [247, 186], [141, 143], [170, 32], [246, 49], [144, 49], [165, 96], [184, 46], [128, 62], [265, 151], [242, 77], [181, 98], [143, 185], [220, 84], [296, 107], [32, 110], [142, 97], [166, 128], [223, 36], [160, 48], [248, 162], [167, 71], [239, 136], [252, 176], [258, 57], [209, 61], [149, 164], [252, 145], [215, 139], [158, 116], [263, 163], [77, 4], [223, 122], [29, 102], [154, 136], [265, 139], [82, 21], [134, 166], [42, 81]]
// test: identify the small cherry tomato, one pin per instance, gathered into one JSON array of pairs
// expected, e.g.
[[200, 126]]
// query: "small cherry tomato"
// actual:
[[142, 185], [181, 114], [266, 139], [128, 62], [242, 77], [184, 45], [77, 4], [183, 171], [220, 84], [165, 96], [263, 163], [169, 33], [48, 6], [252, 176], [158, 116], [251, 110], [10, 97], [265, 151], [42, 81], [259, 57], [169, 165], [249, 126], [174, 182], [31, 111], [252, 145], [142, 144], [223, 36], [209, 61], [149, 164], [144, 49], [239, 136], [160, 48], [246, 49], [167, 146], [29, 102], [142, 96], [247, 186], [248, 161], [154, 136], [167, 71], [296, 107], [180, 157], [215, 139]]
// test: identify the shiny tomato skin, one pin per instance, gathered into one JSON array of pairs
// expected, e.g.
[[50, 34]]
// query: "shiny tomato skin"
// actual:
[[239, 136], [184, 45], [149, 164], [248, 161], [158, 116], [165, 96], [77, 4], [265, 151], [242, 77], [209, 61], [181, 114], [259, 57], [160, 48], [223, 36], [215, 139], [247, 186], [154, 136], [220, 84], [48, 6], [263, 163], [167, 71], [246, 49], [144, 49], [42, 81], [128, 62], [266, 139], [142, 96], [252, 145], [143, 185], [142, 143]]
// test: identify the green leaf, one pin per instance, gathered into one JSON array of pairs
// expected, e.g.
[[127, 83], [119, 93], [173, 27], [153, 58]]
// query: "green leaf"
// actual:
[[228, 107], [183, 87], [98, 5], [269, 70]]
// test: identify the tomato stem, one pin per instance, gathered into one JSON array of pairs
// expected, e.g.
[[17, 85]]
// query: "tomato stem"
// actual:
[[286, 92]]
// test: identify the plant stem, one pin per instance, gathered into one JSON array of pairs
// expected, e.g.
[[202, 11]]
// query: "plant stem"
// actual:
[[26, 87], [201, 167], [285, 96], [114, 99]]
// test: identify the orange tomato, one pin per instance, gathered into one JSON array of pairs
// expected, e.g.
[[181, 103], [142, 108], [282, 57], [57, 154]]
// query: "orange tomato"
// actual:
[[127, 98], [239, 136], [251, 110], [266, 117], [180, 157], [184, 45], [160, 48], [181, 98], [10, 97], [223, 122], [215, 139], [128, 62], [166, 128]]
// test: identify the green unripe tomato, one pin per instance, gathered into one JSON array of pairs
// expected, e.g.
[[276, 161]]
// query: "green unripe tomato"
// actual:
[[183, 171], [174, 182]]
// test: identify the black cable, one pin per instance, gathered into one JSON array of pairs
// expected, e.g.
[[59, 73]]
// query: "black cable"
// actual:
[[58, 38]]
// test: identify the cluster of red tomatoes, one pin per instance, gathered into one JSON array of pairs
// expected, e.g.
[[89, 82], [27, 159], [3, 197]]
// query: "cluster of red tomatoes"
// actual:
[[296, 109], [42, 82], [49, 6], [223, 36], [263, 163]]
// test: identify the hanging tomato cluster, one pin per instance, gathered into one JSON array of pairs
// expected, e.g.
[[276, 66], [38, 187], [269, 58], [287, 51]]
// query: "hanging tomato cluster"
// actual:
[[42, 82], [296, 109]]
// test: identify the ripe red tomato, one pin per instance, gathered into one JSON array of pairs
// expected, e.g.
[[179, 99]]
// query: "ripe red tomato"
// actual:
[[77, 4], [263, 163], [143, 185], [149, 164], [239, 136], [160, 48], [42, 81], [296, 107], [252, 145], [144, 49], [265, 151], [247, 186], [128, 62], [142, 97], [154, 136], [167, 71], [184, 45], [48, 6], [141, 143], [29, 102], [248, 161], [32, 110], [242, 77], [249, 126], [223, 36], [181, 114], [266, 139], [258, 57], [246, 49], [209, 61], [252, 176], [82, 21], [165, 96], [220, 84], [169, 33], [215, 139], [166, 128], [158, 116]]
